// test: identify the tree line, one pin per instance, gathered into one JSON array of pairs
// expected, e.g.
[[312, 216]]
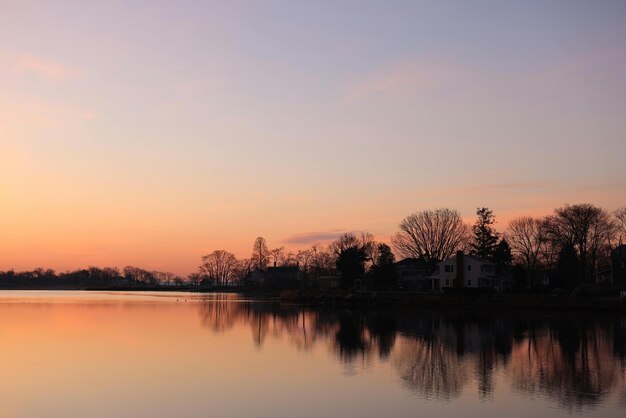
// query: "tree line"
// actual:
[[107, 277], [572, 244]]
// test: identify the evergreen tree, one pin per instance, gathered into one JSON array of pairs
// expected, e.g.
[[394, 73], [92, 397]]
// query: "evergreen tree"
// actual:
[[351, 266], [567, 267], [485, 239], [502, 256], [383, 272]]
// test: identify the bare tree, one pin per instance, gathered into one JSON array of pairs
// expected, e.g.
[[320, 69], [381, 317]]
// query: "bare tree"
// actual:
[[323, 259], [433, 235], [277, 254], [588, 229], [260, 253], [164, 278], [527, 236], [219, 267], [304, 259], [244, 267], [620, 218], [195, 279], [549, 250], [364, 241], [140, 275], [289, 259]]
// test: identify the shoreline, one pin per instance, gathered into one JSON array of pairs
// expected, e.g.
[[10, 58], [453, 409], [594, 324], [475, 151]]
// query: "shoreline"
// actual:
[[370, 299], [385, 299]]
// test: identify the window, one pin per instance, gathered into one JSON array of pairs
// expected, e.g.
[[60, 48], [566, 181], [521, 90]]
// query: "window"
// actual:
[[447, 282], [469, 282], [449, 268], [469, 268]]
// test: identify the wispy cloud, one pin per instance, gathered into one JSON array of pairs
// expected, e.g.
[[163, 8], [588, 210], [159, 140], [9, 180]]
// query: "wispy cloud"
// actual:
[[402, 79], [309, 238], [42, 67]]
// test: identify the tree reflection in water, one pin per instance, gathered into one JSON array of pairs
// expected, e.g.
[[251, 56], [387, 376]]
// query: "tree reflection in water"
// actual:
[[574, 360]]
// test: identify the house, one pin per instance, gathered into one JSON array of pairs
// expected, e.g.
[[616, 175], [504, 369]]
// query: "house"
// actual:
[[467, 271], [256, 278], [329, 282], [618, 266], [545, 277], [283, 277], [414, 274]]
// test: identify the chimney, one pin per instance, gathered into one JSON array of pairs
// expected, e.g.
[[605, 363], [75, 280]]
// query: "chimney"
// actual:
[[459, 282]]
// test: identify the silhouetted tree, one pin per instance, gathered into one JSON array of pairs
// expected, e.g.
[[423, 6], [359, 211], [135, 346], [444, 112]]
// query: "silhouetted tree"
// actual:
[[431, 235], [502, 256], [323, 260], [620, 217], [485, 237], [219, 267], [351, 266], [136, 274], [383, 272], [288, 259], [527, 236], [364, 241], [586, 228], [195, 279], [277, 254], [549, 251], [304, 258], [244, 267], [567, 268], [260, 253]]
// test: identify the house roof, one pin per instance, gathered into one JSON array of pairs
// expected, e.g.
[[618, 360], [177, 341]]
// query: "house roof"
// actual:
[[619, 251], [283, 269], [471, 257], [408, 261]]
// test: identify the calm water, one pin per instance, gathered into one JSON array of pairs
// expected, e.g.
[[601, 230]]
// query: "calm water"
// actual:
[[98, 354]]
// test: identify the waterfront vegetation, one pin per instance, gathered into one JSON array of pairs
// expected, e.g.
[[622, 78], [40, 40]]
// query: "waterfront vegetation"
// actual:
[[572, 247]]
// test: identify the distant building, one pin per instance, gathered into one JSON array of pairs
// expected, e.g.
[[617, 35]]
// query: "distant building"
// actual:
[[467, 271], [414, 274]]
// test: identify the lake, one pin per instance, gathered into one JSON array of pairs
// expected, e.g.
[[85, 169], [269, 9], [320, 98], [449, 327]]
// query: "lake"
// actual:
[[137, 354]]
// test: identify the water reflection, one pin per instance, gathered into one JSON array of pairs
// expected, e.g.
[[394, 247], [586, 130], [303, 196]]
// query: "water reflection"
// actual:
[[577, 361]]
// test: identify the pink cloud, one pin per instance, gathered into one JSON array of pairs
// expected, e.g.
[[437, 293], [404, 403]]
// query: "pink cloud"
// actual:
[[309, 238]]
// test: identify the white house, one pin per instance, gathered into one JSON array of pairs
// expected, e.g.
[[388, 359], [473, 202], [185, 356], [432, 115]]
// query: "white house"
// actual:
[[467, 271]]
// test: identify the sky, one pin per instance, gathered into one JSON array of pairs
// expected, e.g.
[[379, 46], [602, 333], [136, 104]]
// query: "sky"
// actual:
[[151, 132]]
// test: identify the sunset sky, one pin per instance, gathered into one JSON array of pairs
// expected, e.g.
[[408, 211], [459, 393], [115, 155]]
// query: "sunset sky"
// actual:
[[151, 132]]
